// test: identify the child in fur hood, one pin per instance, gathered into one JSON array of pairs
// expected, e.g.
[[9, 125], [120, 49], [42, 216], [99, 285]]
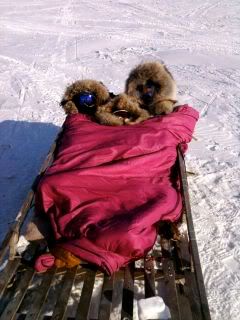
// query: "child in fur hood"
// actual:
[[154, 87]]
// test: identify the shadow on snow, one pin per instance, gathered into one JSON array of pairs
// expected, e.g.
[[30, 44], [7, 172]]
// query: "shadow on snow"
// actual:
[[23, 147]]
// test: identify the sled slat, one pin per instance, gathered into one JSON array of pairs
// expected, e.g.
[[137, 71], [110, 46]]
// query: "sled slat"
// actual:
[[7, 274], [184, 305], [171, 290], [106, 298], [14, 229], [184, 252], [117, 296], [86, 295], [128, 293], [193, 295], [149, 277], [40, 296], [13, 305], [193, 243], [62, 301], [50, 155], [182, 266], [190, 287]]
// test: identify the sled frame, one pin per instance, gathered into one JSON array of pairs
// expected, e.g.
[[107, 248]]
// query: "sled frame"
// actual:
[[179, 276]]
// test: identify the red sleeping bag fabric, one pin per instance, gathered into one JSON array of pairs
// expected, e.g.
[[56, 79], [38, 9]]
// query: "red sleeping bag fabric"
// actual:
[[109, 186]]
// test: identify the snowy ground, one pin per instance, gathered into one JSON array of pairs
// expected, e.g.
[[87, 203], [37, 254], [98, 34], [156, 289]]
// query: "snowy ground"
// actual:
[[46, 45]]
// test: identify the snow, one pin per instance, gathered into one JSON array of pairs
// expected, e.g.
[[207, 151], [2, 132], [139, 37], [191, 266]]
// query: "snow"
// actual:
[[152, 308], [45, 45]]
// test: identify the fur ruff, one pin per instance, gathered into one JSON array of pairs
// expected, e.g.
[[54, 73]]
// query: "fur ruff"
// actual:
[[105, 114], [96, 87], [165, 96]]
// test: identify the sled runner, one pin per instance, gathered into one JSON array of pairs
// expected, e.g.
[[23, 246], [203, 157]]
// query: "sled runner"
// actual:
[[172, 271]]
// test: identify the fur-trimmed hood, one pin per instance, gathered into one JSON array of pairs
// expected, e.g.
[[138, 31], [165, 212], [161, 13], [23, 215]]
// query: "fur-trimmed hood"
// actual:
[[159, 75], [97, 88]]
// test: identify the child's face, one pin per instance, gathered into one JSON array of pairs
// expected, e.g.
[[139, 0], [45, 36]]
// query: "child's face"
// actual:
[[147, 91]]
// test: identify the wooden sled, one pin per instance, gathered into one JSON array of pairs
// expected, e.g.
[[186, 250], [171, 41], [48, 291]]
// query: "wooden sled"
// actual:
[[173, 271]]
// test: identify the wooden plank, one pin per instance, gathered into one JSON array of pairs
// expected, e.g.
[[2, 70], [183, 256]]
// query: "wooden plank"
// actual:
[[193, 243], [149, 278], [128, 293], [106, 298], [170, 250], [49, 158], [62, 301], [7, 274], [40, 295], [117, 296], [13, 231], [180, 268], [12, 307], [184, 305], [183, 248], [170, 283], [86, 295], [190, 286], [191, 291]]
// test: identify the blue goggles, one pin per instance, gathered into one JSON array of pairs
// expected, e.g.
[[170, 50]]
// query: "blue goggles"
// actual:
[[84, 99]]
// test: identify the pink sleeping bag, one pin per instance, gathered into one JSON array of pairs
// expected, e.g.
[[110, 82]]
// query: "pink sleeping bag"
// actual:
[[109, 186]]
